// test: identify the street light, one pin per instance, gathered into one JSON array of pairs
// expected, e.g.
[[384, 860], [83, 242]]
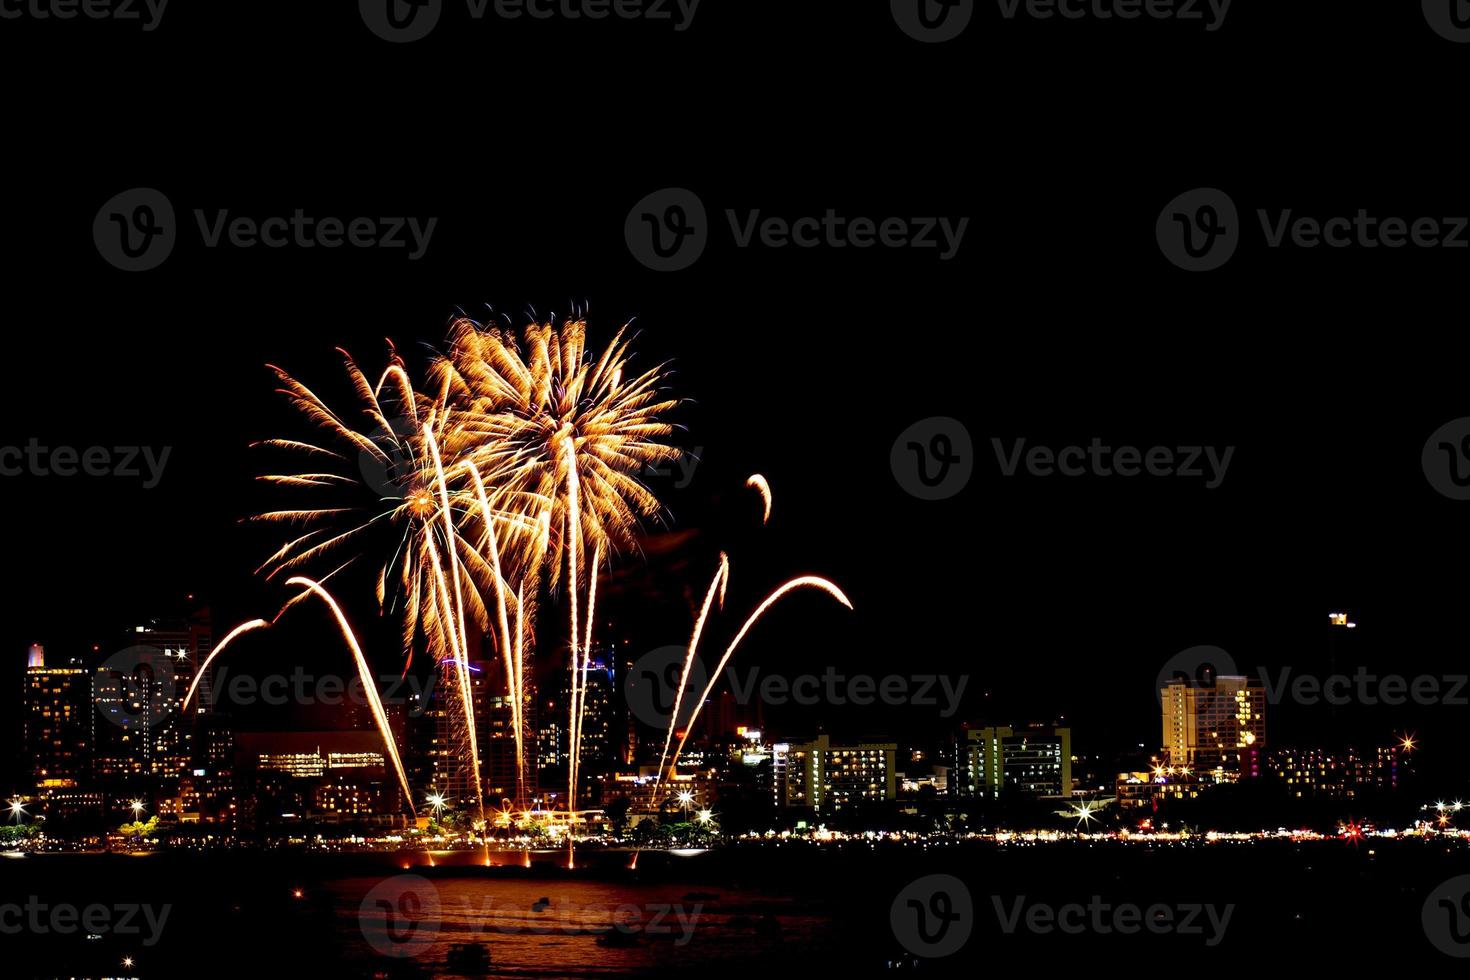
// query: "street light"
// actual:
[[436, 800], [17, 809], [137, 808]]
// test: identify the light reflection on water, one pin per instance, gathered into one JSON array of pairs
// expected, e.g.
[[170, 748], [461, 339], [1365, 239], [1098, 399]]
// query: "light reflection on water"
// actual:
[[555, 927]]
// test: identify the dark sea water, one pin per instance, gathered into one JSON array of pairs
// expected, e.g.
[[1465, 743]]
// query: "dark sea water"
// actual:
[[767, 911]]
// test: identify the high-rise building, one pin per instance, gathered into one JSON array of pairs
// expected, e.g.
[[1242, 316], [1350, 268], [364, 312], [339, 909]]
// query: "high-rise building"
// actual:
[[1034, 759], [57, 730], [827, 777], [138, 692], [501, 776], [452, 771], [1214, 723]]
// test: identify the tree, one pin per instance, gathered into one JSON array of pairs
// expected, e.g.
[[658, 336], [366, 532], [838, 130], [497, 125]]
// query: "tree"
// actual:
[[139, 829]]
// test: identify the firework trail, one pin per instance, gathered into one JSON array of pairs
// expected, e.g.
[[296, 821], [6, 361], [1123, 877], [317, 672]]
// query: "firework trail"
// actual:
[[759, 483], [561, 436], [253, 624], [368, 683], [804, 581], [716, 587], [398, 504]]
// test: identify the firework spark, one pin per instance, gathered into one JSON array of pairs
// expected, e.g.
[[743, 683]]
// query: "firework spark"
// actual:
[[764, 489], [364, 672]]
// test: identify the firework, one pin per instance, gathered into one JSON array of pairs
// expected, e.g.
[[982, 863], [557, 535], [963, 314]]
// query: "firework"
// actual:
[[764, 489], [560, 437], [518, 478], [391, 498]]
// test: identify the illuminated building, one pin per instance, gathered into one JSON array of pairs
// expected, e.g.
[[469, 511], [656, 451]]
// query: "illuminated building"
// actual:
[[140, 729], [827, 777], [57, 722], [1035, 760], [604, 738], [1317, 772], [328, 776], [450, 769], [185, 643], [499, 749], [1216, 723]]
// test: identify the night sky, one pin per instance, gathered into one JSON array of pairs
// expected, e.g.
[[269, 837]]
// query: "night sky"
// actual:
[[1057, 321]]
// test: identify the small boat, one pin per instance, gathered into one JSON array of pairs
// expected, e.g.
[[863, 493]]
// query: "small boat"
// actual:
[[617, 937], [470, 959], [541, 905]]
